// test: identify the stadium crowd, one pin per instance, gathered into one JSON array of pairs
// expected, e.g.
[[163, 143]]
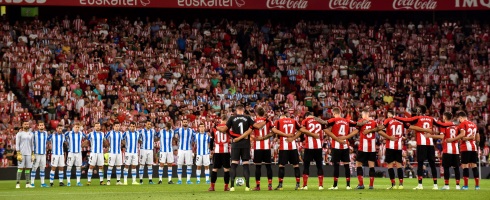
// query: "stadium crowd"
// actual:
[[107, 70]]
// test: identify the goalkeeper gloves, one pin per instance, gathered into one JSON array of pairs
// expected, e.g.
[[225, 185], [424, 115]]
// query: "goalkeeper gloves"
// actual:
[[19, 157], [33, 158]]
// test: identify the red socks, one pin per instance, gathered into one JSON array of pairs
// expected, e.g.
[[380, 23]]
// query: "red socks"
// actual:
[[361, 180], [305, 180]]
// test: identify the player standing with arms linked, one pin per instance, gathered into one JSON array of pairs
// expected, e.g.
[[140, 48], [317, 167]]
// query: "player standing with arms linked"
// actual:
[[24, 146], [262, 151], [131, 138], [240, 127], [450, 150], [40, 140], [425, 146], [147, 137], [286, 128], [96, 138], [166, 136], [202, 140], [469, 152], [340, 128], [394, 146], [74, 139], [366, 152], [186, 136], [313, 141], [57, 140], [221, 157], [114, 138]]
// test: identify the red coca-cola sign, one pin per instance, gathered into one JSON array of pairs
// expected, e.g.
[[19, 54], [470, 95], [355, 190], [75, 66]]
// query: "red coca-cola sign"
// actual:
[[287, 4], [350, 4], [415, 4], [322, 5]]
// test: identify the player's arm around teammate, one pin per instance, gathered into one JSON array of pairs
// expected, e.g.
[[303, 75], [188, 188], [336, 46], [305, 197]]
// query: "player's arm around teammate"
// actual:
[[328, 131]]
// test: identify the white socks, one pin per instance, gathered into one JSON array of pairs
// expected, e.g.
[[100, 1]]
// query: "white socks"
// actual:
[[169, 173]]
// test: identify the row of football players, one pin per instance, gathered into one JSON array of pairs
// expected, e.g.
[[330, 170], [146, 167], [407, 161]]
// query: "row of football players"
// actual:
[[337, 129], [33, 146], [310, 129]]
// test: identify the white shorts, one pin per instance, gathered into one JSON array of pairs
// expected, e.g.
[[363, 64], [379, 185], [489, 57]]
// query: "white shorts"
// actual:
[[166, 157], [184, 157], [146, 157], [25, 163], [131, 159], [57, 161], [40, 161], [74, 158], [96, 159], [115, 159], [203, 160]]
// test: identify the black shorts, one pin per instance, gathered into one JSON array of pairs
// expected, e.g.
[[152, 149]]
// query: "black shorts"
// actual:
[[340, 155], [425, 152], [221, 160], [392, 155], [364, 157], [313, 155], [262, 156], [450, 160], [288, 156], [240, 153], [469, 157]]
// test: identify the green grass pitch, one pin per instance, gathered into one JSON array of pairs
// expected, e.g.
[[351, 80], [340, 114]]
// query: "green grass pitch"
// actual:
[[198, 192]]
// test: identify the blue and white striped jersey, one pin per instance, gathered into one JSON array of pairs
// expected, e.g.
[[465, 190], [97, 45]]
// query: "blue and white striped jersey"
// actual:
[[186, 136], [74, 141], [166, 137], [202, 143], [96, 141], [114, 138], [40, 139], [131, 138], [57, 141], [147, 138]]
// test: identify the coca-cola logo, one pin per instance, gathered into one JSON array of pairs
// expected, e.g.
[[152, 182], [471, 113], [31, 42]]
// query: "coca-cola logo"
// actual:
[[415, 4], [23, 1], [287, 4], [350, 4]]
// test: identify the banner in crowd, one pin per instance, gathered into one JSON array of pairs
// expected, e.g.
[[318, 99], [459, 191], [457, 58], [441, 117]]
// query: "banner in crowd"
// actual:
[[346, 5]]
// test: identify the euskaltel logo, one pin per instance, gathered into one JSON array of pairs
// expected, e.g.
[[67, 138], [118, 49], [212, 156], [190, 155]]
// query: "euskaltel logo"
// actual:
[[145, 2], [240, 3]]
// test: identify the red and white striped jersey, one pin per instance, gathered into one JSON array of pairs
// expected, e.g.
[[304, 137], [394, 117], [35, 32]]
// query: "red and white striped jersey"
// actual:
[[452, 147], [313, 126], [425, 122], [340, 127], [394, 128], [367, 142], [221, 141], [263, 144], [287, 126], [470, 130]]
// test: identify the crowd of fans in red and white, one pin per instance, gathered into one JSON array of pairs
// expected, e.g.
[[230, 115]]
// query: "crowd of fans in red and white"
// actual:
[[88, 70]]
